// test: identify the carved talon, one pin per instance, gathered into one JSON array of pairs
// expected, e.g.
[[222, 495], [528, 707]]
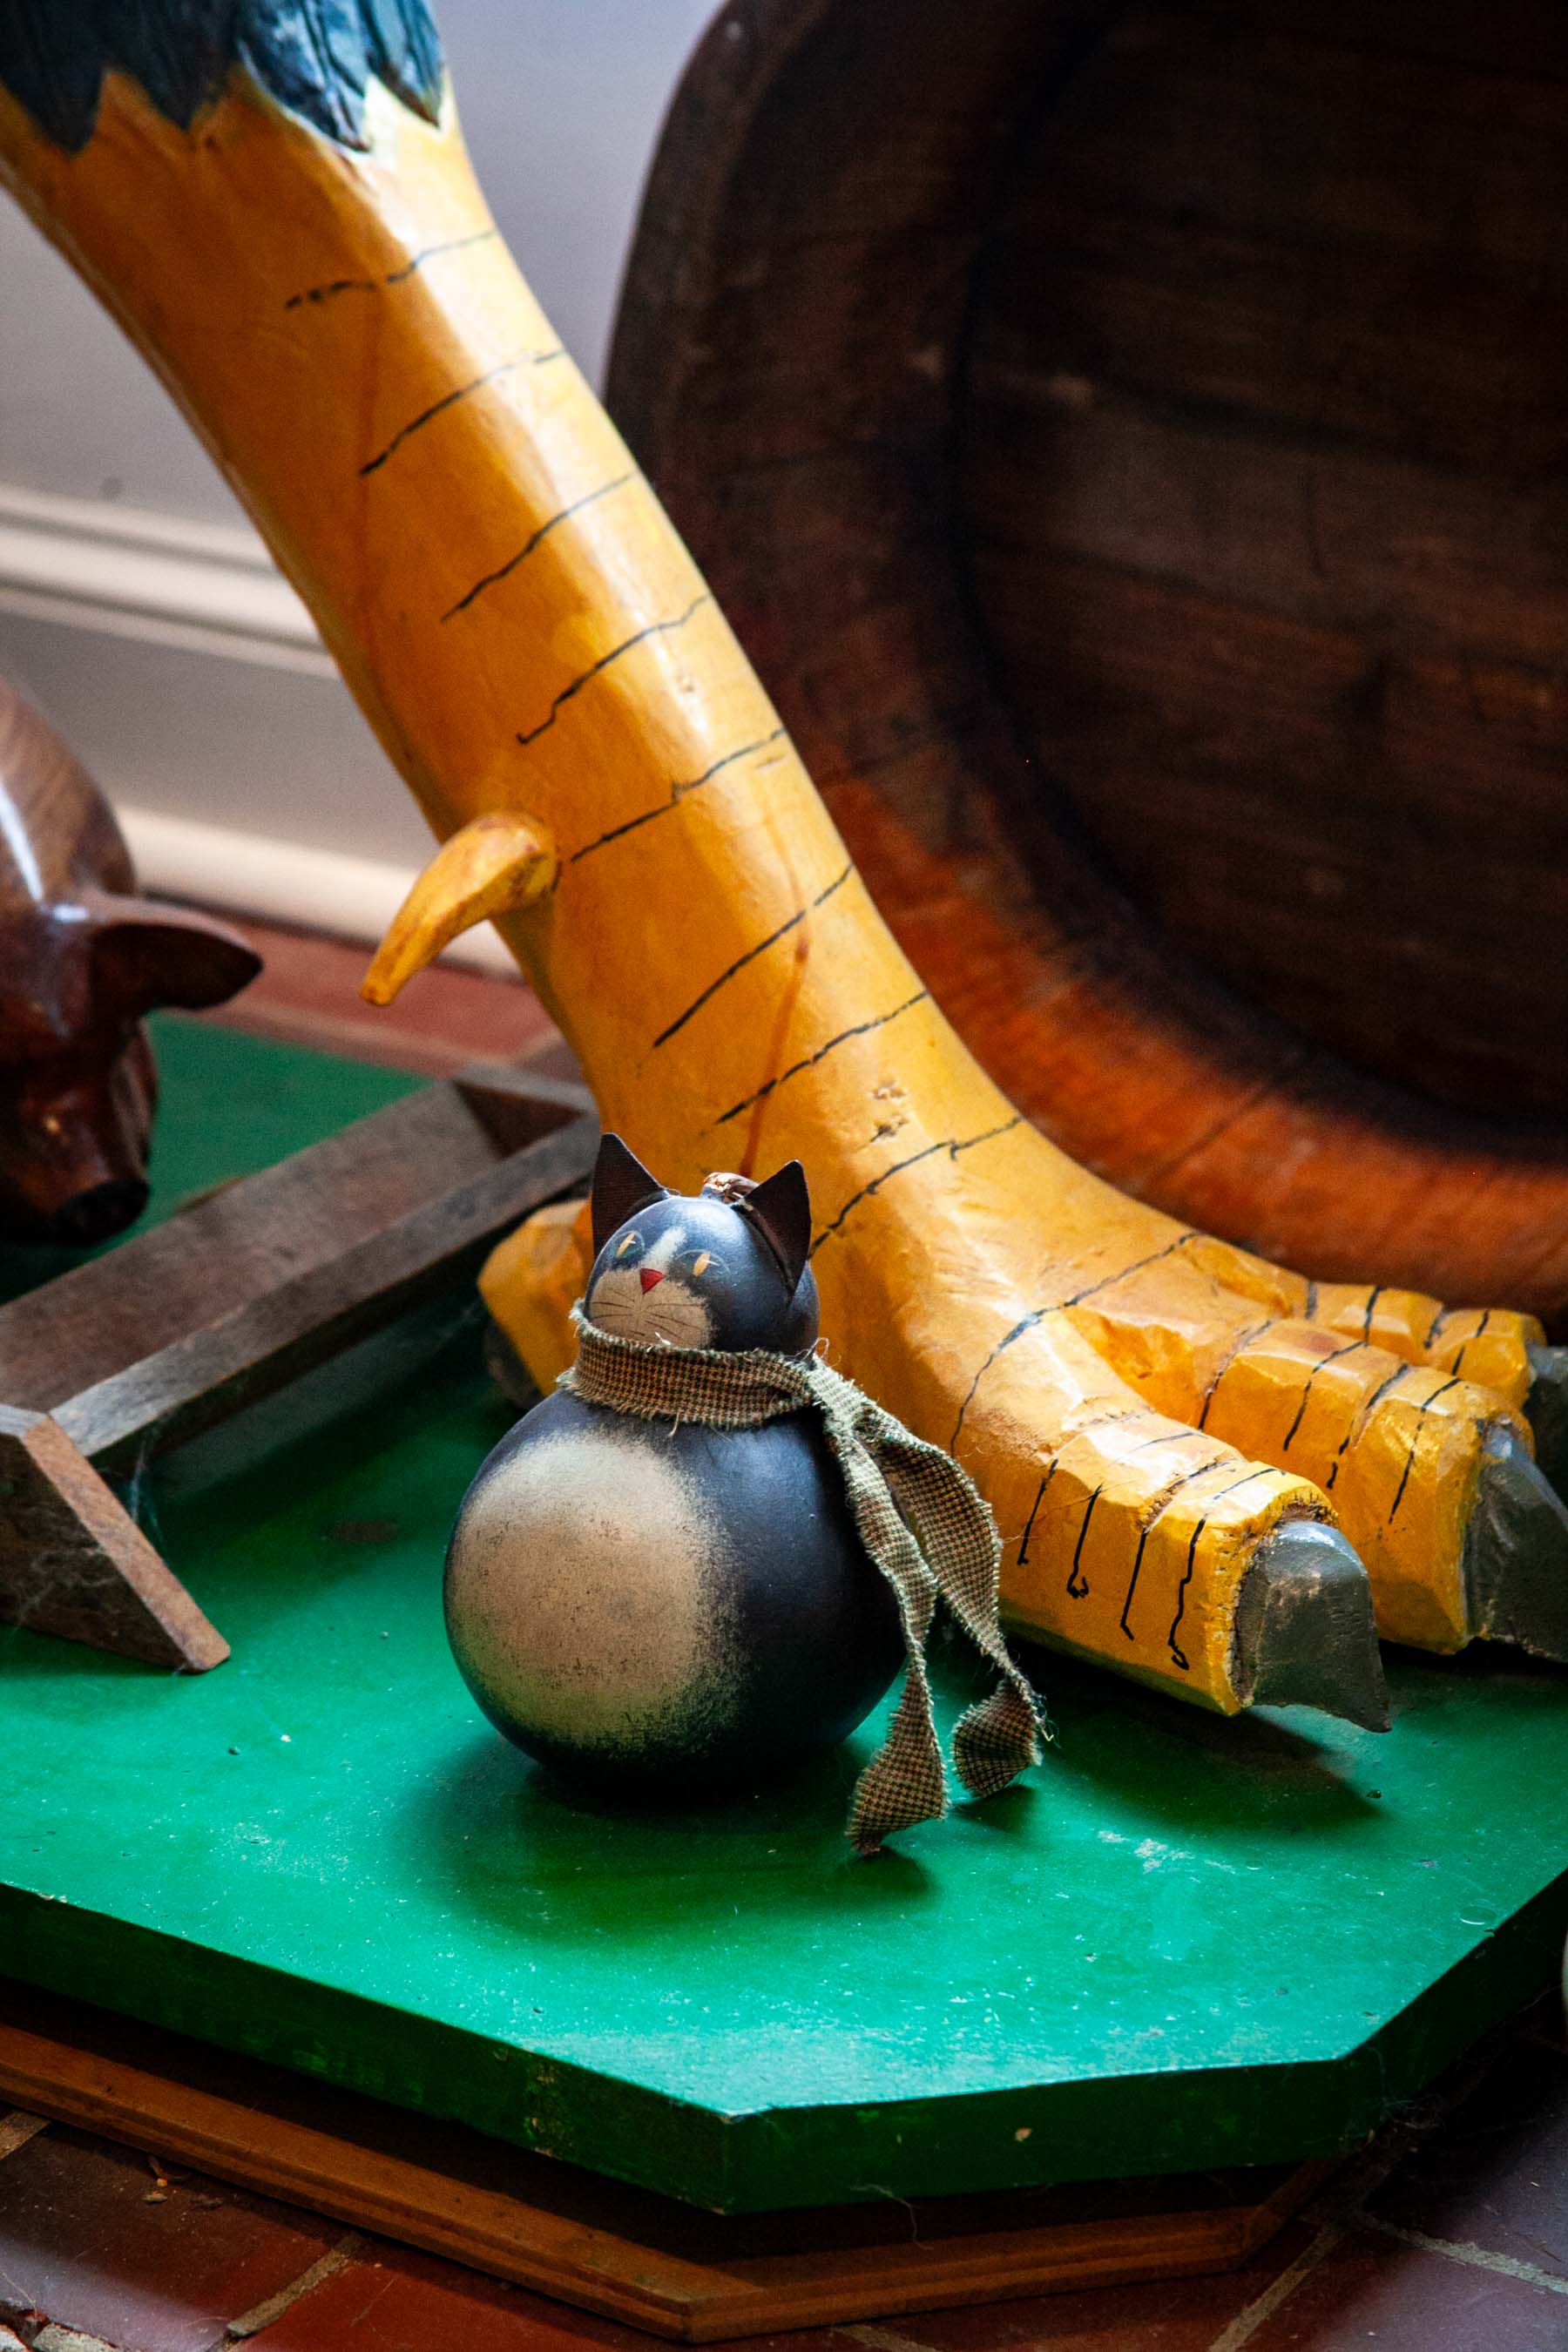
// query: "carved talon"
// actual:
[[1304, 1629], [494, 865], [1516, 1552], [1546, 1410]]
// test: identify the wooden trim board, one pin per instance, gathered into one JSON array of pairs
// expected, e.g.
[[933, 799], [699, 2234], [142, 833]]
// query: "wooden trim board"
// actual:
[[620, 2252], [185, 1323], [262, 1280]]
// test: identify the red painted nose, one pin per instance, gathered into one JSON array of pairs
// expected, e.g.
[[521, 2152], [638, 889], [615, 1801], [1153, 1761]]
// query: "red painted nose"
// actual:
[[649, 1278]]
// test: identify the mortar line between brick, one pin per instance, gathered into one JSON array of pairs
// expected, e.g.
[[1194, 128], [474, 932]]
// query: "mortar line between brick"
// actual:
[[1247, 2321], [885, 2339], [1464, 2250], [263, 2314]]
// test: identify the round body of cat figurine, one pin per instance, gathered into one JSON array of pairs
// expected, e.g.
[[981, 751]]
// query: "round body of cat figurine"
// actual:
[[657, 1607]]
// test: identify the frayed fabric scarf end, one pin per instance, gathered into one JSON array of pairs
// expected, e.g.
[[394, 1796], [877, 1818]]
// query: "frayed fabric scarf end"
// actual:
[[925, 1526]]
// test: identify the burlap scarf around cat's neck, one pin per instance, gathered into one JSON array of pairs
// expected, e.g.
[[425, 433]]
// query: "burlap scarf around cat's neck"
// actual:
[[920, 1519]]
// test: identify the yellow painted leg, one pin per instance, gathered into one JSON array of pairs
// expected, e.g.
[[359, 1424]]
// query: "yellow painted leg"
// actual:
[[534, 647], [1491, 1347]]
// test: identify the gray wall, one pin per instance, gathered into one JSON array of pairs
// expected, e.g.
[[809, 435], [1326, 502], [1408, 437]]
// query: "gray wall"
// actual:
[[561, 101]]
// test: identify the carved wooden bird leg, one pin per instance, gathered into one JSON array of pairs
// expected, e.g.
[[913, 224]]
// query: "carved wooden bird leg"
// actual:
[[294, 235]]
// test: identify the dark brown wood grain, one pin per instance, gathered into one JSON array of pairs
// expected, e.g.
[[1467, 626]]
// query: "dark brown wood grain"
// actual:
[[1127, 439], [1267, 396]]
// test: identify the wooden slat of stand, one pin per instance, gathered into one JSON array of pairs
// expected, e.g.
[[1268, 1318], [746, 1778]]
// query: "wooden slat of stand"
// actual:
[[181, 1325], [696, 2277], [190, 1321], [73, 1561]]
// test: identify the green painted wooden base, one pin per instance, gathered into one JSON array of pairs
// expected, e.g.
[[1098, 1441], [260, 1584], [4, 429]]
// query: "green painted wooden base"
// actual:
[[1185, 1944], [702, 2278]]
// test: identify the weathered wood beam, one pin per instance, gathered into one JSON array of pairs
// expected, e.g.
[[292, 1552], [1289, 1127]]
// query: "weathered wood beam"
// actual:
[[229, 1301]]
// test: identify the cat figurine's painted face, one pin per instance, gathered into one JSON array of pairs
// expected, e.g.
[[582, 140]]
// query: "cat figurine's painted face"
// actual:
[[726, 1269]]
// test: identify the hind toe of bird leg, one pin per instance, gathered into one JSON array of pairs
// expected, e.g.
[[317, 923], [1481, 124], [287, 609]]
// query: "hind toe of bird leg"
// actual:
[[1515, 1551], [1546, 1410]]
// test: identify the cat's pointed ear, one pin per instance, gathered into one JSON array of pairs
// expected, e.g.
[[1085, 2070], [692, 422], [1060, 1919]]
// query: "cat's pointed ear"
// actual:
[[781, 1205], [622, 1186]]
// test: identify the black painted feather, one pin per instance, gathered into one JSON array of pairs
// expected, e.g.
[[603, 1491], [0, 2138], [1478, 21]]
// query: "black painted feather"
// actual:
[[315, 57]]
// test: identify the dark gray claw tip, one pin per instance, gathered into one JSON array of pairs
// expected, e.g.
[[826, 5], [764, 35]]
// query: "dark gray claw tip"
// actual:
[[1546, 1410], [1516, 1553], [1305, 1634]]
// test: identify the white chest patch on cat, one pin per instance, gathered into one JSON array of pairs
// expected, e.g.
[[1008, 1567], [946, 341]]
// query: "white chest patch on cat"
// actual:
[[589, 1592]]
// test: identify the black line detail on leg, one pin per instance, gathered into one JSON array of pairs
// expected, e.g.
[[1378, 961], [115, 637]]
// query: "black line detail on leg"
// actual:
[[964, 1143], [528, 735], [1177, 1653], [677, 792], [1469, 1343], [1253, 1470], [1375, 1293], [1038, 1314], [792, 923], [1414, 1441], [1078, 1586], [861, 1029], [1236, 1349], [1133, 1580], [1157, 1514], [1034, 1509], [502, 571], [450, 400], [1358, 1418], [1109, 1281], [394, 277], [1027, 1323], [1333, 1358]]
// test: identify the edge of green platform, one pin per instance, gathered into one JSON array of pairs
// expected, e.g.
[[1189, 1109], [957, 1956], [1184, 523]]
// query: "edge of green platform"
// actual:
[[993, 2140]]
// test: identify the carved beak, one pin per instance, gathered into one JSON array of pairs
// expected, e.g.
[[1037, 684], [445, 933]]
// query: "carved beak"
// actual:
[[650, 1279]]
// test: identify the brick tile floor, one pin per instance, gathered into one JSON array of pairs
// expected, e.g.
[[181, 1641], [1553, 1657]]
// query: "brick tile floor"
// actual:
[[393, 2297], [101, 2239], [1497, 2183], [1391, 2299]]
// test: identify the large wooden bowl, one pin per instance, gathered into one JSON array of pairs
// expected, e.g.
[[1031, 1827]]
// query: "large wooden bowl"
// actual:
[[1132, 442]]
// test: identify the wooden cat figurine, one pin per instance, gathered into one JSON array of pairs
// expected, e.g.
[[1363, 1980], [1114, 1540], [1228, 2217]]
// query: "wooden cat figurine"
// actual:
[[651, 1605]]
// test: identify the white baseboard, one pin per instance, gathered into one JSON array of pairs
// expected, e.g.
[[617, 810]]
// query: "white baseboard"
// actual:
[[189, 678], [220, 743], [90, 564], [283, 881]]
